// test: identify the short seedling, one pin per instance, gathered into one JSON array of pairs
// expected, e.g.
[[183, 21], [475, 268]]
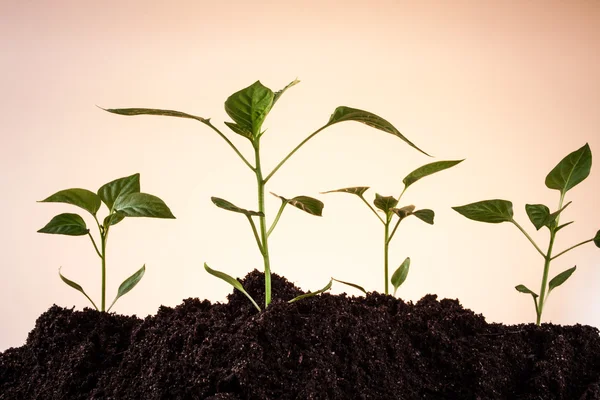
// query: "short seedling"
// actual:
[[248, 108], [568, 173], [123, 199], [388, 205]]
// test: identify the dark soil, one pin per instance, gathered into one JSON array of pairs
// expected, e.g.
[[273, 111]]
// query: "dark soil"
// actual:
[[325, 347]]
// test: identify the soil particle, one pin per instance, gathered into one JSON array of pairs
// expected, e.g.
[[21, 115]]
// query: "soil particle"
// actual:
[[324, 347]]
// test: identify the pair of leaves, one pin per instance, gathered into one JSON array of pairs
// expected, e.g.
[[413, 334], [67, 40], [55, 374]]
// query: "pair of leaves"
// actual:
[[425, 215], [304, 203], [540, 215], [554, 282]]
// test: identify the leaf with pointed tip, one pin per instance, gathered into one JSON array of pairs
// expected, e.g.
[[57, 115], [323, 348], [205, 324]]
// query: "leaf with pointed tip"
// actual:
[[232, 281], [524, 289], [155, 111], [538, 214], [129, 284], [76, 286], [113, 219], [142, 205], [597, 239], [491, 211], [427, 170], [311, 294], [83, 198], [552, 217], [225, 205], [305, 203], [425, 215], [354, 285], [278, 94], [357, 190], [249, 107], [560, 278], [239, 131], [403, 212], [400, 274], [385, 203], [353, 114], [119, 187], [571, 170], [66, 224], [563, 225]]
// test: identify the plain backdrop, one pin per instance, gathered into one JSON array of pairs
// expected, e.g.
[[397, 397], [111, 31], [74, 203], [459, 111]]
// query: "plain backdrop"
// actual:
[[512, 87]]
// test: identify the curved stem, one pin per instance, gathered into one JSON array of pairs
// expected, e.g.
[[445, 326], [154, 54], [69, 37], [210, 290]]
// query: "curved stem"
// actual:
[[571, 248], [529, 237], [94, 243], [394, 230], [260, 247], [372, 209], [283, 204], [207, 122]]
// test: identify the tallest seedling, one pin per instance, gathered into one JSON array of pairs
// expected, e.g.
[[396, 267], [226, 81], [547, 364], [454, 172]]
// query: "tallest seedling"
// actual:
[[248, 109]]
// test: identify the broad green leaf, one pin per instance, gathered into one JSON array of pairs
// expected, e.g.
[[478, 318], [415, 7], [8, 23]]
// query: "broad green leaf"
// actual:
[[354, 285], [311, 294], [357, 190], [66, 224], [232, 281], [400, 274], [353, 114], [76, 286], [491, 211], [425, 215], [280, 92], [119, 187], [538, 214], [154, 111], [142, 205], [403, 212], [552, 217], [560, 278], [597, 239], [224, 204], [305, 203], [249, 107], [83, 198], [571, 170], [385, 203], [239, 131], [428, 169], [563, 225], [129, 284], [113, 219], [524, 289]]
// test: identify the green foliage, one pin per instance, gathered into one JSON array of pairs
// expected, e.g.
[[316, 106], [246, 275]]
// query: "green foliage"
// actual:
[[491, 211], [400, 274], [232, 281]]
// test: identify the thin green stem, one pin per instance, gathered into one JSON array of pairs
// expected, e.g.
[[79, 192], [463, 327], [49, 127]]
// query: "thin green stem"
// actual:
[[207, 122], [283, 204], [399, 197], [571, 248], [385, 255], [91, 301], [394, 230], [260, 247], [103, 244], [263, 223], [372, 209], [94, 243], [529, 237]]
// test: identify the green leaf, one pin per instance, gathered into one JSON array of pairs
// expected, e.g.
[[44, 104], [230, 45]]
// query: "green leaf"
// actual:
[[311, 294], [249, 107], [552, 217], [353, 114], [597, 239], [142, 205], [239, 131], [305, 203], [354, 285], [129, 284], [428, 169], [571, 170], [66, 224], [154, 111], [400, 274], [425, 215], [113, 219], [83, 198], [538, 214], [232, 281], [560, 278], [524, 289], [491, 211], [280, 92], [563, 225], [224, 204], [385, 203], [119, 187], [76, 286], [357, 190], [403, 212]]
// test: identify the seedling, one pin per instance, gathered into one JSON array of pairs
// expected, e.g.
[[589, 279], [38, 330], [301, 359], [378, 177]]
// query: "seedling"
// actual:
[[123, 199], [568, 173], [248, 108], [388, 205]]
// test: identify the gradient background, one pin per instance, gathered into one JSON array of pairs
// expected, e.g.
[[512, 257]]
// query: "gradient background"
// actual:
[[511, 87]]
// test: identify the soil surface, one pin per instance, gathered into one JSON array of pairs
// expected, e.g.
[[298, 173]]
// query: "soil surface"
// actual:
[[324, 347]]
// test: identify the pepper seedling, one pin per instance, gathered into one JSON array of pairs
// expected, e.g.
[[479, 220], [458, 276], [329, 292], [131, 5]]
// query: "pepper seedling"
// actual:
[[123, 199], [248, 108], [388, 205], [568, 173]]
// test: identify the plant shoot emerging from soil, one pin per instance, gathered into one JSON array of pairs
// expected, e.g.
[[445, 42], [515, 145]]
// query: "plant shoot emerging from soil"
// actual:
[[123, 199], [568, 173]]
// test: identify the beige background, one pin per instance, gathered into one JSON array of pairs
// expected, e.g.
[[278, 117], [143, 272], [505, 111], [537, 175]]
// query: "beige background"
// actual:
[[512, 88]]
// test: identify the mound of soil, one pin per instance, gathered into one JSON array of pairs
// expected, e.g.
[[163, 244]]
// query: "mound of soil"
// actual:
[[325, 347]]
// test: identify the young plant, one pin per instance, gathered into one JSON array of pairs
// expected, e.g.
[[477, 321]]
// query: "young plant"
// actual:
[[568, 173], [248, 108], [388, 205], [123, 199]]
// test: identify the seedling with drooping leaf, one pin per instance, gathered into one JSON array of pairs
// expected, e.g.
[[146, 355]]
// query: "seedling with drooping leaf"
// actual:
[[568, 173], [123, 199], [388, 205], [248, 108]]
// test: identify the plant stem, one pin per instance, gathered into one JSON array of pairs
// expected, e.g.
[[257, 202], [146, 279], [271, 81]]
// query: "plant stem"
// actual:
[[103, 244], [207, 122], [255, 234], [385, 254], [283, 204], [394, 230], [529, 237], [94, 243], [572, 247], [263, 224], [372, 209]]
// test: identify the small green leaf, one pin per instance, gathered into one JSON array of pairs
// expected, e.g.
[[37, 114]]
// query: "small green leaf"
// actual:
[[597, 239], [113, 219], [354, 285], [552, 217], [491, 211], [154, 111], [571, 170], [232, 281], [353, 114], [239, 131], [224, 204], [142, 205], [400, 274], [403, 212], [357, 190], [129, 284], [524, 289], [76, 286], [560, 278], [311, 294], [66, 224], [385, 203], [280, 92], [249, 107], [305, 203], [425, 215], [538, 214], [83, 198], [427, 170], [119, 187], [563, 225]]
